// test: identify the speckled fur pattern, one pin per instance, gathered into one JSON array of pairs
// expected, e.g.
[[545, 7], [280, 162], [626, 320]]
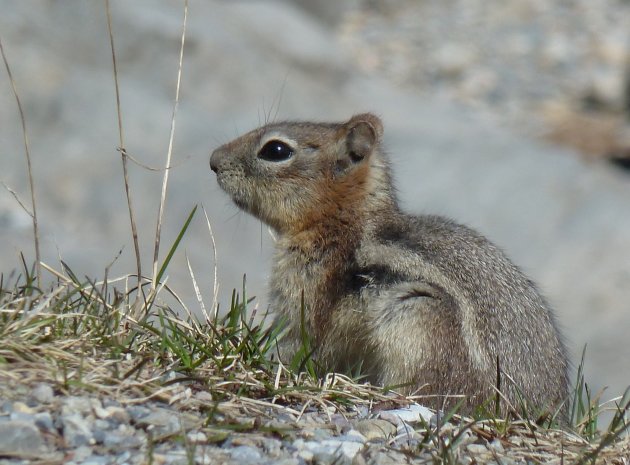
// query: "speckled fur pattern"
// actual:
[[419, 300]]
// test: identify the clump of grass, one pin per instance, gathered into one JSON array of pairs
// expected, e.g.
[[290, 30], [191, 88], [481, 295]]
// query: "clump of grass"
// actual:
[[80, 337]]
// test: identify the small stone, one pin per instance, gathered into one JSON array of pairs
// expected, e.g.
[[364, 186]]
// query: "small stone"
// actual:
[[334, 448], [375, 428], [123, 457], [287, 461], [413, 414], [196, 437], [96, 460], [477, 449], [158, 417], [108, 402], [405, 433], [6, 407], [161, 421], [272, 447], [81, 453], [25, 417], [44, 421], [99, 411], [353, 436], [76, 431], [306, 455], [496, 445], [74, 404], [115, 440], [340, 421], [138, 412], [246, 455], [20, 439], [203, 396], [43, 393], [118, 414], [320, 434], [21, 407], [349, 449]]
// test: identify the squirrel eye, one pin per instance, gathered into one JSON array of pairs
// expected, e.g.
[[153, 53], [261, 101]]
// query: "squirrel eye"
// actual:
[[275, 150]]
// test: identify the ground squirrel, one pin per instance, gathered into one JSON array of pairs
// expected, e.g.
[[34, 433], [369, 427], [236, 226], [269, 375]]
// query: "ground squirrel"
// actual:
[[419, 300]]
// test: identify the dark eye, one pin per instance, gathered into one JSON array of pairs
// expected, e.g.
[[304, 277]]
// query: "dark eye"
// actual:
[[275, 150]]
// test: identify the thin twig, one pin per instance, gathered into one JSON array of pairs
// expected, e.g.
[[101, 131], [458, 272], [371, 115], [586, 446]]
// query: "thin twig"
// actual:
[[197, 291], [38, 267], [152, 168], [18, 200], [123, 152], [158, 228], [215, 294]]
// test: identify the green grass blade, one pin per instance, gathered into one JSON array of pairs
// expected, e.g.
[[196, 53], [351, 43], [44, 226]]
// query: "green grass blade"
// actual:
[[175, 245]]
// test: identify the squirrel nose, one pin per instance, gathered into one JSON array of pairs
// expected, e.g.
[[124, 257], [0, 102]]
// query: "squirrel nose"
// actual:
[[215, 159]]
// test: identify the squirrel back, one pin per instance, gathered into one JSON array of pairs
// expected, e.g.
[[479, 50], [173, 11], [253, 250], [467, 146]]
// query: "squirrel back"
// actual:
[[418, 301]]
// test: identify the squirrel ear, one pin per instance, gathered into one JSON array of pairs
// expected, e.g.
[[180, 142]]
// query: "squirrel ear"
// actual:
[[364, 133]]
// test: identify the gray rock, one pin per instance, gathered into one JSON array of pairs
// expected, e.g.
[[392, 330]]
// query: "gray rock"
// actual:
[[375, 429], [44, 421], [81, 453], [413, 414], [74, 404], [115, 440], [21, 439], [21, 407], [196, 437], [157, 417], [43, 393], [477, 449], [117, 415], [138, 412], [353, 436], [246, 455], [287, 461], [6, 407], [496, 445], [331, 449], [76, 430], [272, 447], [23, 417], [161, 421], [96, 460]]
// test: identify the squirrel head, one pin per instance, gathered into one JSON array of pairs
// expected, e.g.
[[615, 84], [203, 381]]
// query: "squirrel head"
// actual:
[[293, 174]]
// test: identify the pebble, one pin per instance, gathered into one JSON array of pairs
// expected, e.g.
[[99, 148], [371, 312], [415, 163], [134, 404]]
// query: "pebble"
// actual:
[[76, 430], [375, 428], [246, 455], [43, 393], [20, 439], [413, 414]]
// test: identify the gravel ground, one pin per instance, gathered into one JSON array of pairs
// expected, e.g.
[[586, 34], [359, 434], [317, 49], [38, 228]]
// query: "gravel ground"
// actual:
[[188, 426], [45, 426]]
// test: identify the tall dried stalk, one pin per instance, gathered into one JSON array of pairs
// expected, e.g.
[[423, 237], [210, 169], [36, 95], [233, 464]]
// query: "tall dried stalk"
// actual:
[[158, 227], [123, 153], [33, 212]]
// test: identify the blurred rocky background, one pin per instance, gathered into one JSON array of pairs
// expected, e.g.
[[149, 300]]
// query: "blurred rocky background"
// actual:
[[510, 116]]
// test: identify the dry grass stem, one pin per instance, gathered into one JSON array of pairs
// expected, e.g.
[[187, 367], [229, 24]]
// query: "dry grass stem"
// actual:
[[215, 283], [33, 212], [158, 228], [123, 154]]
